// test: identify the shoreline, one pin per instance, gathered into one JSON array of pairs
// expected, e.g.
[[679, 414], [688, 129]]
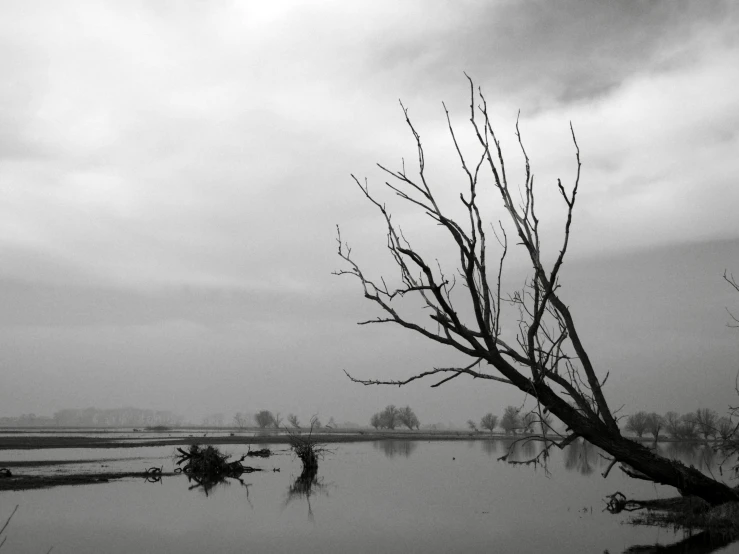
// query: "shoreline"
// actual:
[[26, 442]]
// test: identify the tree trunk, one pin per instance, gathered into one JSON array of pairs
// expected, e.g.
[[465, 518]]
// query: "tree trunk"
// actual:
[[687, 480]]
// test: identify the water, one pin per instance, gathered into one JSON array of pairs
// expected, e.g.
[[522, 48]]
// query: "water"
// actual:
[[383, 496]]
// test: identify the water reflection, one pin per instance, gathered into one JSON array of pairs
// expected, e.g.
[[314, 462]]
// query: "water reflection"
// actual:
[[699, 455], [427, 504], [393, 448], [207, 484], [521, 451], [700, 543], [581, 456], [490, 447], [306, 485]]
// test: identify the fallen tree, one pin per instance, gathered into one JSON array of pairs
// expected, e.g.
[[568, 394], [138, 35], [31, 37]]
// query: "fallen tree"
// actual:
[[546, 358]]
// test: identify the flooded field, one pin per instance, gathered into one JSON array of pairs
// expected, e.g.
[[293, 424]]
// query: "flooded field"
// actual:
[[381, 496]]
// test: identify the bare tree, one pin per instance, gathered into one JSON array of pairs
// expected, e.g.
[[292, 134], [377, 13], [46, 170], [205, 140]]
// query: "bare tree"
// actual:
[[637, 423], [706, 420], [241, 420], [511, 420], [389, 417], [489, 422], [688, 427], [546, 358], [672, 424], [545, 421], [725, 428], [528, 421], [276, 420], [472, 425], [264, 418], [292, 419], [376, 421], [655, 422], [407, 417]]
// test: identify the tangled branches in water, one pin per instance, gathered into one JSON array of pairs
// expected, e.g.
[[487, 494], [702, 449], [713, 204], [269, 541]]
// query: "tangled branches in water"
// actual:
[[209, 466], [307, 449]]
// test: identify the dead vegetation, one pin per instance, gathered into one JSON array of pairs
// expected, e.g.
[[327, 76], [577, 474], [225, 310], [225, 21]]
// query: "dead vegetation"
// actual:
[[263, 453], [688, 513], [208, 467], [306, 448], [210, 462]]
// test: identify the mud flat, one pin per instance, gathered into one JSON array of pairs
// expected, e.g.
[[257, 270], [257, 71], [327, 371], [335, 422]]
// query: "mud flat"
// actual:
[[29, 482]]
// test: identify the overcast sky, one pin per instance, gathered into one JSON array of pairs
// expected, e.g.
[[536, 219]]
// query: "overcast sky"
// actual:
[[172, 174]]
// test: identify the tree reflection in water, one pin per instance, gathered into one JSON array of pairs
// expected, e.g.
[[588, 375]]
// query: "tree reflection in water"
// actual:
[[489, 447], [521, 450], [686, 452], [206, 484], [700, 455], [700, 543], [306, 485], [581, 456], [393, 448]]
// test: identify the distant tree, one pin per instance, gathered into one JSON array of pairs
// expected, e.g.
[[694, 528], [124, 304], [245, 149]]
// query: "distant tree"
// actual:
[[637, 423], [725, 428], [472, 425], [511, 421], [331, 423], [292, 419], [264, 418], [315, 423], [376, 421], [672, 424], [489, 422], [545, 421], [407, 417], [706, 420], [688, 429], [528, 421], [654, 424], [241, 420], [389, 417], [276, 420]]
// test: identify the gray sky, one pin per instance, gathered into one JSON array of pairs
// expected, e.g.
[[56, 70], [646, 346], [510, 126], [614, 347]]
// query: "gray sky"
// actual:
[[172, 173]]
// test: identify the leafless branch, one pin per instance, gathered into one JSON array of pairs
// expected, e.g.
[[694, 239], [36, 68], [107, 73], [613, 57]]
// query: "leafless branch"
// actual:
[[546, 358]]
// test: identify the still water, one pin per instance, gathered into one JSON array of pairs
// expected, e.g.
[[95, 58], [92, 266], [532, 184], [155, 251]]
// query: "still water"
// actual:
[[383, 496]]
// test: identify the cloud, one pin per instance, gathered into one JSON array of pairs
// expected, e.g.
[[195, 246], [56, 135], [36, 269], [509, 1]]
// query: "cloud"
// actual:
[[178, 171]]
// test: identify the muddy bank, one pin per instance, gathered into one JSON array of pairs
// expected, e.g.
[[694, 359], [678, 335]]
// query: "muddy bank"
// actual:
[[43, 463], [29, 482]]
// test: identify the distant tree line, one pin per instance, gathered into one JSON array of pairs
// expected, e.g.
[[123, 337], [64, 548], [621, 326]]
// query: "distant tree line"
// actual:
[[392, 417], [703, 423], [115, 417], [27, 420], [265, 419], [513, 421]]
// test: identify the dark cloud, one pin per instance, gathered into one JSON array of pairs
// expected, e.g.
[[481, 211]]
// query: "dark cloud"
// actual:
[[544, 52]]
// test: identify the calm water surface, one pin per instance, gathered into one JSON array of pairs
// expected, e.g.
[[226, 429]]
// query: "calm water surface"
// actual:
[[386, 496]]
